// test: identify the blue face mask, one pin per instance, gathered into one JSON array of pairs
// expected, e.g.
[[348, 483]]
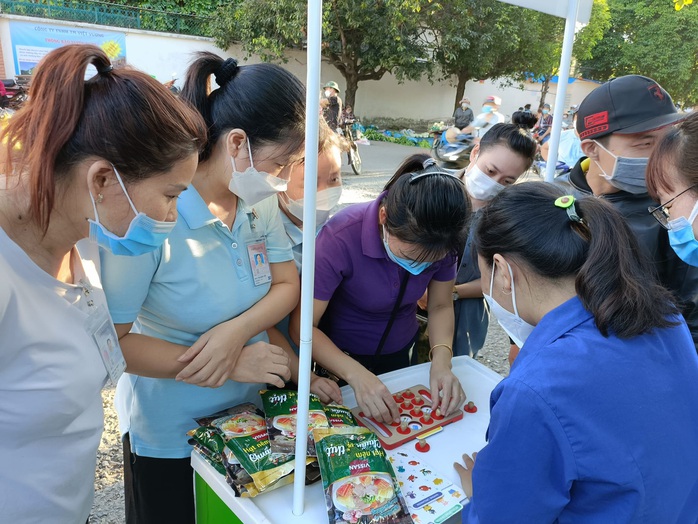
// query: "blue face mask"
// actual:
[[545, 111], [683, 239], [487, 109], [405, 263], [144, 234]]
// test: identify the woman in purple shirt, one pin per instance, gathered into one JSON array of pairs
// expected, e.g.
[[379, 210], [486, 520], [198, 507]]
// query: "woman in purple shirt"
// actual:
[[374, 261]]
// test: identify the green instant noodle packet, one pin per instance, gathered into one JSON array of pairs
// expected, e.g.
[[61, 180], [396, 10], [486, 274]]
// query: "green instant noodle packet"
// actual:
[[339, 416], [358, 479], [280, 408]]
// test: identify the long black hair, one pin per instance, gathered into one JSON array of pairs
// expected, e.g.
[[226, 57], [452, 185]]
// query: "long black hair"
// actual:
[[431, 211], [264, 100], [613, 281]]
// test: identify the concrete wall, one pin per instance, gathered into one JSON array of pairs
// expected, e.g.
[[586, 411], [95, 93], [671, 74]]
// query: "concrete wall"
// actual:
[[165, 55]]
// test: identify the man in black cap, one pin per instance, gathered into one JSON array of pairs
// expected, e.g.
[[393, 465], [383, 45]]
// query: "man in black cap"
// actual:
[[619, 124]]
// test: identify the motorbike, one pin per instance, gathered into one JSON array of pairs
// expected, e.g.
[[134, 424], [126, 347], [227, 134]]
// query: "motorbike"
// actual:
[[452, 155], [17, 93]]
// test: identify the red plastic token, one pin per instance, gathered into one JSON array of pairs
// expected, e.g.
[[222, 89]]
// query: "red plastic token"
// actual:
[[403, 431], [408, 394], [426, 419], [416, 412], [406, 405], [397, 398], [422, 446], [418, 401], [470, 407]]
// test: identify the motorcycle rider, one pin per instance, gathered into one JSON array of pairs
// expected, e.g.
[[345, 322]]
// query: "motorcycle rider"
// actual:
[[619, 124], [489, 117]]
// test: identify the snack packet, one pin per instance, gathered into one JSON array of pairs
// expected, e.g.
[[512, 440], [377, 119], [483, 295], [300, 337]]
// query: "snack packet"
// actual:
[[339, 416], [358, 479], [280, 408]]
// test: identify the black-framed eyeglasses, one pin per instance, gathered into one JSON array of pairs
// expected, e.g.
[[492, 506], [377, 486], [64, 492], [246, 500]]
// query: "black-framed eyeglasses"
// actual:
[[661, 213]]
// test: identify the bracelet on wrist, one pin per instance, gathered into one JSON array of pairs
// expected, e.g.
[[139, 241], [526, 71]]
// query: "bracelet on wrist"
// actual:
[[431, 351]]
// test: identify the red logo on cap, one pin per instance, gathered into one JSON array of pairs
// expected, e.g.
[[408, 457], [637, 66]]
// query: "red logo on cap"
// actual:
[[656, 92], [595, 124], [596, 119]]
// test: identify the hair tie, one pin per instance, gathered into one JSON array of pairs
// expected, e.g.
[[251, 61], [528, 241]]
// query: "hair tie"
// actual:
[[429, 162], [105, 69], [567, 203], [226, 71]]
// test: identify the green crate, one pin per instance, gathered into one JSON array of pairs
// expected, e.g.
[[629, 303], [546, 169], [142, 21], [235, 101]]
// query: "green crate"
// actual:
[[210, 509]]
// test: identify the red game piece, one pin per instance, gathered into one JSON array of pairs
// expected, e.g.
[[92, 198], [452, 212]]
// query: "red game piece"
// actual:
[[403, 429], [407, 405], [416, 412], [422, 446], [418, 401], [426, 418], [397, 398], [437, 415], [408, 394], [470, 407]]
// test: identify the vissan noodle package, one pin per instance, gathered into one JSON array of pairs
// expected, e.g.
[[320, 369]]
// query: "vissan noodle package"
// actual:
[[280, 408], [358, 479]]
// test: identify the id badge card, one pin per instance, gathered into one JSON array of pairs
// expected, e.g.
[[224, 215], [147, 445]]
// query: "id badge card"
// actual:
[[100, 327], [259, 262]]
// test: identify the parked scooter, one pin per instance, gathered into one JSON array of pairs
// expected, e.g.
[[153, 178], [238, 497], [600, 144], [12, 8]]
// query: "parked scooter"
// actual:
[[17, 93]]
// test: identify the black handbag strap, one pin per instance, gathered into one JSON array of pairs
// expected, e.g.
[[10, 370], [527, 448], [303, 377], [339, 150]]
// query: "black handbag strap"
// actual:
[[393, 314]]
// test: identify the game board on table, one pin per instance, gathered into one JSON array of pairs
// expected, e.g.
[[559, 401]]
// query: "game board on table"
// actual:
[[416, 418]]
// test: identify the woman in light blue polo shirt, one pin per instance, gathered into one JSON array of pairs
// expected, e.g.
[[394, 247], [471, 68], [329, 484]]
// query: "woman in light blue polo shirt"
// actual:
[[597, 421], [200, 305]]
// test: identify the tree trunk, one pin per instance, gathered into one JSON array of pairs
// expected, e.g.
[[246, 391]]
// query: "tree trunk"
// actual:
[[350, 94], [463, 78], [544, 91]]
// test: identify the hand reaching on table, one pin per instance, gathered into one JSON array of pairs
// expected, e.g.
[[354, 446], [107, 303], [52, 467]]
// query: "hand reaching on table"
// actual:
[[446, 391], [466, 473], [373, 398]]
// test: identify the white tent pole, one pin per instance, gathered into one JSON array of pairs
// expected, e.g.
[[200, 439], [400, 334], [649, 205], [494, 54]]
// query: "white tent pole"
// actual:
[[563, 77], [312, 121]]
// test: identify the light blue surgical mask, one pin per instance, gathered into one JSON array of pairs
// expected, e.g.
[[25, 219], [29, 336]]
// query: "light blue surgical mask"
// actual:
[[628, 173], [487, 109], [405, 263], [144, 234], [683, 239]]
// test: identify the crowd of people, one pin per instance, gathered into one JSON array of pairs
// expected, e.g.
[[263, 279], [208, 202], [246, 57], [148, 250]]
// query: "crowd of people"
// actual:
[[173, 226]]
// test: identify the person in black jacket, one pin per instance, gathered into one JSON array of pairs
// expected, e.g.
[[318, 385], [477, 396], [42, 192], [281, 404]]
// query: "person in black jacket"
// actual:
[[463, 115], [619, 124]]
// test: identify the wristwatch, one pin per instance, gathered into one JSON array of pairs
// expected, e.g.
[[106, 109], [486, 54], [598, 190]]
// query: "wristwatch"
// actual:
[[455, 294]]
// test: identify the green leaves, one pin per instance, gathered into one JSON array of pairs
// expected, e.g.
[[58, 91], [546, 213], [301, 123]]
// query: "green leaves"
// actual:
[[649, 38]]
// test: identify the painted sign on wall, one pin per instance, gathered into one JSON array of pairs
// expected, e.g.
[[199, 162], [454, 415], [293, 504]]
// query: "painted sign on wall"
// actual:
[[31, 42]]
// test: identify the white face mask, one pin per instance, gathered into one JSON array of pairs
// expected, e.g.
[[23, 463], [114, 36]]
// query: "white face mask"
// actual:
[[328, 93], [327, 199], [479, 185], [516, 327], [254, 186]]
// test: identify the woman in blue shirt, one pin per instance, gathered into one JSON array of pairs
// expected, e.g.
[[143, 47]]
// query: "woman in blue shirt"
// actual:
[[597, 421], [200, 305]]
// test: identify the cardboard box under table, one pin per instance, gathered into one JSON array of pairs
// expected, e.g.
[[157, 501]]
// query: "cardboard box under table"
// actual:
[[216, 503]]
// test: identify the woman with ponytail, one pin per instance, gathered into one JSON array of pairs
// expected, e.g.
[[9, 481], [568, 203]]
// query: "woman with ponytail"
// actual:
[[597, 420], [203, 302], [84, 162]]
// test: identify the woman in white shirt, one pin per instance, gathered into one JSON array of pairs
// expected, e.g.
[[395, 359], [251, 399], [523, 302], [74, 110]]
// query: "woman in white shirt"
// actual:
[[81, 159]]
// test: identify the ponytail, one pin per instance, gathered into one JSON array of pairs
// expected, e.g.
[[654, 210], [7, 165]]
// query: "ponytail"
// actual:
[[264, 100], [616, 283], [612, 281], [121, 115]]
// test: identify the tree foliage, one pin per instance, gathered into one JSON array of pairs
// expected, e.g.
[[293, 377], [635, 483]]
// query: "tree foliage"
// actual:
[[649, 38], [363, 39]]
